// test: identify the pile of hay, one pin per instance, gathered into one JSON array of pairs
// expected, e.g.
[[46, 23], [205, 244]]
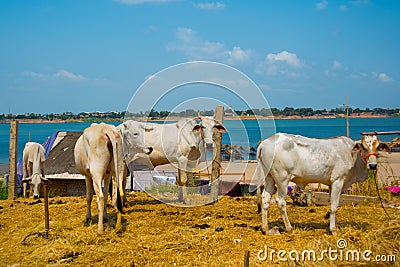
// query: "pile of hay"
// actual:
[[157, 234]]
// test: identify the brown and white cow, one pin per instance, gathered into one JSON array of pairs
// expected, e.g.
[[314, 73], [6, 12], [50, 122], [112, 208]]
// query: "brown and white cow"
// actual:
[[337, 162], [33, 164], [99, 156]]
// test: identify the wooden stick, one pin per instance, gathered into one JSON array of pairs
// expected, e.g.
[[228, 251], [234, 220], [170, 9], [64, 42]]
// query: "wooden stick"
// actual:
[[246, 258], [46, 209], [13, 159]]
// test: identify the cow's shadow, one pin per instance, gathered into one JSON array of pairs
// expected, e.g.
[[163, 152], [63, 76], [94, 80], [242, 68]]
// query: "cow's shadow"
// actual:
[[309, 226], [109, 222], [135, 202]]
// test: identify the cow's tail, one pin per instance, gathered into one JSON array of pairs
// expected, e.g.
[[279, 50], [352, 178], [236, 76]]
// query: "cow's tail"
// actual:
[[118, 192], [259, 175]]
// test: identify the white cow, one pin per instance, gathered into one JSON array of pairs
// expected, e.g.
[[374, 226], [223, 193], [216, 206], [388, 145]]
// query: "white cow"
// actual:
[[33, 158], [337, 162], [99, 155], [177, 142]]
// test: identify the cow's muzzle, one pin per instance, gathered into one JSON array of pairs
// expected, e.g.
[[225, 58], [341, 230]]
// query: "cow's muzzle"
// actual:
[[149, 150], [373, 166], [35, 196]]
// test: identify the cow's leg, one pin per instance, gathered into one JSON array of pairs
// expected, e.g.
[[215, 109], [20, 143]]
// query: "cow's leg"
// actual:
[[182, 179], [30, 173], [24, 176], [105, 194], [100, 201], [269, 190], [335, 191], [182, 186], [124, 180], [89, 197], [281, 201], [42, 168]]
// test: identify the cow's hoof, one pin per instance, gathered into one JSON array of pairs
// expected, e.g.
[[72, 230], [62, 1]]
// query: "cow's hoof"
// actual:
[[333, 232], [118, 230], [274, 231], [263, 231], [87, 222]]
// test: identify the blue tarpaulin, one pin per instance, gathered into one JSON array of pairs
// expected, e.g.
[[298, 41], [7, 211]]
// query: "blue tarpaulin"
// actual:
[[48, 144]]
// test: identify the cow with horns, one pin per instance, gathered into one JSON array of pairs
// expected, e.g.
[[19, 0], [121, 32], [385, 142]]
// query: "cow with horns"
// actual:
[[177, 142], [337, 162]]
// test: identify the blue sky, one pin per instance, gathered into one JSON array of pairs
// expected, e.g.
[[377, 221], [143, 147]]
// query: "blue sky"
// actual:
[[91, 55]]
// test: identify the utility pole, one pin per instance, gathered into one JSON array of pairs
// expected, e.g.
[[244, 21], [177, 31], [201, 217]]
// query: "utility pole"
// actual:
[[347, 116]]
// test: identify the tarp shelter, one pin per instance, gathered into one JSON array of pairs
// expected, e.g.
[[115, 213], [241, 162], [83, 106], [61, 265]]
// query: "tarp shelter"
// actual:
[[60, 165]]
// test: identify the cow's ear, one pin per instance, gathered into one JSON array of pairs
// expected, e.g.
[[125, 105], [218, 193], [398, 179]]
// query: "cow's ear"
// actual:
[[148, 128], [197, 128], [383, 147], [26, 180], [220, 128], [45, 181], [357, 147]]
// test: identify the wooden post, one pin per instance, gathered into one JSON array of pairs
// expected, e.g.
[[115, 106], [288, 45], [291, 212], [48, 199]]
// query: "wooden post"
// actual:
[[246, 258], [46, 208], [12, 160], [216, 164]]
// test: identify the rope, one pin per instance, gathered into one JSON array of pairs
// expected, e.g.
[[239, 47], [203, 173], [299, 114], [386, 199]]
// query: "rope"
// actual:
[[374, 172], [39, 234]]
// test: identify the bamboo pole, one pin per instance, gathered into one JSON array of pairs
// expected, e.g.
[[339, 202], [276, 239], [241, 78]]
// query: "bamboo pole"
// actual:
[[216, 163], [12, 162], [46, 209]]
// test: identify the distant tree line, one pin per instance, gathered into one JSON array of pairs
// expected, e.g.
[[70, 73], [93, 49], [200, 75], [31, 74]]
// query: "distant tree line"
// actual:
[[154, 114]]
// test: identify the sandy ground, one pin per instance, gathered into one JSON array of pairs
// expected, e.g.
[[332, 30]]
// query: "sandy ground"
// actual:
[[157, 234]]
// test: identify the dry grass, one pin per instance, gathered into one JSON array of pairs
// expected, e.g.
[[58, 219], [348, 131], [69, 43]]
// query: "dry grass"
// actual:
[[156, 234]]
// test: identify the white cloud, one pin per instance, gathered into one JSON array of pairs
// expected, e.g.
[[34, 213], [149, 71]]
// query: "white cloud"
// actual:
[[238, 55], [284, 63], [138, 2], [196, 48], [284, 56], [334, 69], [60, 74], [210, 5], [190, 43], [336, 65], [358, 75], [33, 74], [69, 75], [343, 7], [321, 5], [383, 77]]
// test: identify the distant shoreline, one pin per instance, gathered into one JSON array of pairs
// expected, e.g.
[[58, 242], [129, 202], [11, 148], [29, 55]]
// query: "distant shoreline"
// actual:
[[3, 168], [295, 117]]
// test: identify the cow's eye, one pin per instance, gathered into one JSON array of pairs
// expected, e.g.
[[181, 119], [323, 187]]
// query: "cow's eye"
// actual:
[[135, 134]]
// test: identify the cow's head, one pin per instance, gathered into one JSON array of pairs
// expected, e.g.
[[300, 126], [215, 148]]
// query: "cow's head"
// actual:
[[133, 134], [206, 128], [35, 180], [368, 149]]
